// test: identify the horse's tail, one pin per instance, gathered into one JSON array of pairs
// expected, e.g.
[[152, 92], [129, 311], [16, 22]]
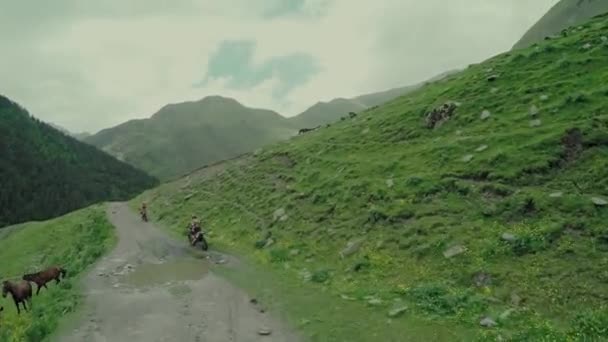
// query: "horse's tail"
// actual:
[[63, 272]]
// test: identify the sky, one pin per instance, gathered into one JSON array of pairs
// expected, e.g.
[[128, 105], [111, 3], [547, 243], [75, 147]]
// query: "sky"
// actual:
[[91, 66]]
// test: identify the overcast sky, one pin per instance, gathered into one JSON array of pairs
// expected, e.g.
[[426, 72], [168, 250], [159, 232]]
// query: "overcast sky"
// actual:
[[87, 67]]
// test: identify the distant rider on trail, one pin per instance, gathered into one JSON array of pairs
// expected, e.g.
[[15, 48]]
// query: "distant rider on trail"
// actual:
[[143, 211]]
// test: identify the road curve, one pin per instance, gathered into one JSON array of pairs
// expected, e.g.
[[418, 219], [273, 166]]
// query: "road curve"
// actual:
[[151, 288]]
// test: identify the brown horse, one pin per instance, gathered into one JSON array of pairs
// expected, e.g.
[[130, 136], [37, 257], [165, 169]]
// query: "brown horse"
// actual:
[[21, 292], [43, 277]]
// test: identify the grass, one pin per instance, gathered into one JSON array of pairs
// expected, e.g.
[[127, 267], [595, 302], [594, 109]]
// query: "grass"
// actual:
[[531, 246], [74, 241]]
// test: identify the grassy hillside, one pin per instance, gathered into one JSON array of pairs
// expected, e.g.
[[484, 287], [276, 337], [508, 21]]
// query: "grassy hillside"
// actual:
[[564, 14], [489, 211], [323, 113], [74, 241], [45, 173], [328, 112], [183, 137]]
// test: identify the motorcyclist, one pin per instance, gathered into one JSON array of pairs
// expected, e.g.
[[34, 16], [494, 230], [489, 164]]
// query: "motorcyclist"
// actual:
[[194, 228]]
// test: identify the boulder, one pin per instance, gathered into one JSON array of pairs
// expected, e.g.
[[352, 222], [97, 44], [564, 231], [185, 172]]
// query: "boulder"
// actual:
[[488, 322], [506, 314], [508, 237], [438, 116], [467, 158], [390, 183], [481, 279], [534, 110], [454, 251], [481, 148], [351, 248], [397, 311], [278, 214], [264, 331], [375, 301], [485, 114]]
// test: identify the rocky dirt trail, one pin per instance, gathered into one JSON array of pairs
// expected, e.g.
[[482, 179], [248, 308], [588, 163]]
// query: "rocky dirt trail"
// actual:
[[151, 288]]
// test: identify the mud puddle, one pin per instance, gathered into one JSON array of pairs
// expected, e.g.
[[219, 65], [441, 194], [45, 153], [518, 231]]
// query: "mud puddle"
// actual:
[[171, 271]]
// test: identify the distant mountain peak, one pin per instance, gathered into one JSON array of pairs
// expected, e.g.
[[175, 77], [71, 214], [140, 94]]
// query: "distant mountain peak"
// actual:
[[562, 15], [219, 98]]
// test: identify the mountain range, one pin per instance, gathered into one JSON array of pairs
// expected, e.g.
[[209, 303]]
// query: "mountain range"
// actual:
[[184, 136]]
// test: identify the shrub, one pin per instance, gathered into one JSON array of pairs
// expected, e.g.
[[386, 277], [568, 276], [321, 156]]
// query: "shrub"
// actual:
[[320, 276]]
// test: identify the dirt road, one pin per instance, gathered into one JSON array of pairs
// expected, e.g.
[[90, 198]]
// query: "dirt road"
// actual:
[[151, 288]]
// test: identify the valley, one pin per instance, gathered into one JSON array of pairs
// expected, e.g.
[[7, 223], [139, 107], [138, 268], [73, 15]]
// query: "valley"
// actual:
[[471, 207]]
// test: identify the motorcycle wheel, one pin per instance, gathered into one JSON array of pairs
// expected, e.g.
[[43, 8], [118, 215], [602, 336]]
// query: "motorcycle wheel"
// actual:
[[204, 245]]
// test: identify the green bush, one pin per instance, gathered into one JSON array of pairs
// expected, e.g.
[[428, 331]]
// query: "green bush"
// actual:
[[590, 325], [279, 255], [438, 300], [320, 276]]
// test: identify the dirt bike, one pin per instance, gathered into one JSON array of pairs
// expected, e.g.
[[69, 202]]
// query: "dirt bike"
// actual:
[[199, 237]]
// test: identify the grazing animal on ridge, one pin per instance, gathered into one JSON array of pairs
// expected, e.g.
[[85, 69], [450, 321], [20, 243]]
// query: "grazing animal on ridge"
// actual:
[[43, 277], [21, 291], [304, 130]]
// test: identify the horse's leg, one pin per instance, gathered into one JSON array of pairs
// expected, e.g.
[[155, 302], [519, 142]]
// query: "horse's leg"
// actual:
[[57, 279], [18, 308], [38, 290], [24, 305]]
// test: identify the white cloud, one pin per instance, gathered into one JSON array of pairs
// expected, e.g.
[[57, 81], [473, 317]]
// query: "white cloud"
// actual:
[[95, 71]]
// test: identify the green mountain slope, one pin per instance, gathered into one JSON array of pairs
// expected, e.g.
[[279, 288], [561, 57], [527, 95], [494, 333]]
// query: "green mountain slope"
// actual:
[[478, 200], [564, 14], [323, 113], [45, 173], [182, 137]]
